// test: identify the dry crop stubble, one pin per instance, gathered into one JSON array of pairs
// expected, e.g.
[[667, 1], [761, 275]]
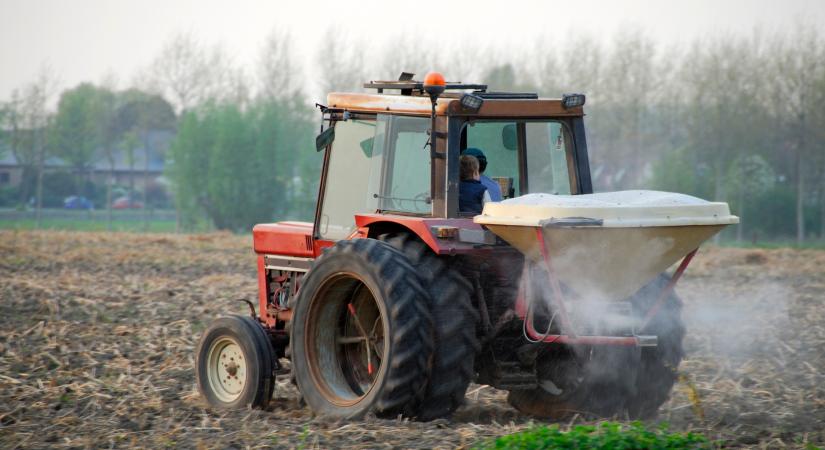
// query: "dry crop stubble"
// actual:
[[97, 334]]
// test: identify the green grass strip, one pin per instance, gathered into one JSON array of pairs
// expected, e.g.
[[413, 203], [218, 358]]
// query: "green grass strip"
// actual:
[[607, 435]]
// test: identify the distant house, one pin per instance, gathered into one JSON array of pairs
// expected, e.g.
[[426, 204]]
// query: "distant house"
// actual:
[[11, 172]]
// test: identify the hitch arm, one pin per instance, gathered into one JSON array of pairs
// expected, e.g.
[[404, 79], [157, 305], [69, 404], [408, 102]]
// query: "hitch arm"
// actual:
[[651, 313]]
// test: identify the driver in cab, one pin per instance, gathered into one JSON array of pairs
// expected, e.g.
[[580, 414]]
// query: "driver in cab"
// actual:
[[472, 195], [493, 188]]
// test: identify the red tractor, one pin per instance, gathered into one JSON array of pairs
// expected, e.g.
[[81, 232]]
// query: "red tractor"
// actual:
[[392, 301]]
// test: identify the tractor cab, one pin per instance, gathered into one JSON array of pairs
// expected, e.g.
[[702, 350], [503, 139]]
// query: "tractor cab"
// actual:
[[381, 156]]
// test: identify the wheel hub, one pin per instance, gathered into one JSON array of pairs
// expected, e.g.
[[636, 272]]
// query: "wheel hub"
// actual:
[[232, 368], [227, 369]]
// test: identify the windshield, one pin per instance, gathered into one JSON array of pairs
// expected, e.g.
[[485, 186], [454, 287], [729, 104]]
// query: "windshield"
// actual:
[[544, 164]]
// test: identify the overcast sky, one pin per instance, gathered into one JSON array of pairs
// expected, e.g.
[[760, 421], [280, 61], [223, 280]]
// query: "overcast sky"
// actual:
[[82, 40]]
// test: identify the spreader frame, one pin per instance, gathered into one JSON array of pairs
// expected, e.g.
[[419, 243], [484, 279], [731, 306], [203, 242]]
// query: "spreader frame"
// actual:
[[569, 336]]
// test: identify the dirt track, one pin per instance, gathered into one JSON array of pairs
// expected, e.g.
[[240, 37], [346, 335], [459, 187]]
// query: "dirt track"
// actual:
[[97, 332]]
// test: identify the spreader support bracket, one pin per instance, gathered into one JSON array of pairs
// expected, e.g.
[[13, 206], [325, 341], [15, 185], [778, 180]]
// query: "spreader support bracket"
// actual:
[[651, 313], [558, 296]]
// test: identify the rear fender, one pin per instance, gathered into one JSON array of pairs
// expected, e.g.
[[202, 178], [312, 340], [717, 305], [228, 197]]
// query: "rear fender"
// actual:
[[373, 225]]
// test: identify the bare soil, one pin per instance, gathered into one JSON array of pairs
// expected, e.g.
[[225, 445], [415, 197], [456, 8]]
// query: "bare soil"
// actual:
[[97, 333]]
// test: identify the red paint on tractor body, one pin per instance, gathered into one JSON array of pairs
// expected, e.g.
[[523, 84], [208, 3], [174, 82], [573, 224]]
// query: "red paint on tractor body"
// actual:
[[295, 239], [263, 293], [284, 238], [422, 227]]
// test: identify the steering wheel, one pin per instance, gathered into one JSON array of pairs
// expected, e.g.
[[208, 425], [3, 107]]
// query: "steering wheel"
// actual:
[[423, 197]]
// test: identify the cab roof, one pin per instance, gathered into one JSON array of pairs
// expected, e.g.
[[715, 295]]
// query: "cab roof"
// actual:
[[413, 100], [449, 105]]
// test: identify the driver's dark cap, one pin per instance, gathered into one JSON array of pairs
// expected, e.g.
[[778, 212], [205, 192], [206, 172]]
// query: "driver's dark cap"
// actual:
[[482, 160]]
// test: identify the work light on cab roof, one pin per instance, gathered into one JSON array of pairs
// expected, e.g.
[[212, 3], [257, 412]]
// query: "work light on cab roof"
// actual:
[[572, 100]]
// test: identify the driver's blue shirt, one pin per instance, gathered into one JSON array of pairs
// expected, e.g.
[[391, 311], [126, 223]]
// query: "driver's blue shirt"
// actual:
[[471, 196], [492, 188]]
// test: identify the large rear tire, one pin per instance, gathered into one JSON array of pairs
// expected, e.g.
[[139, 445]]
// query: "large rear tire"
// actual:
[[454, 319], [361, 332], [658, 368], [608, 381], [234, 364]]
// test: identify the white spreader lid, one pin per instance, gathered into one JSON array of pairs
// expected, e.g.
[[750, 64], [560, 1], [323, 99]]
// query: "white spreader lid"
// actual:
[[617, 209]]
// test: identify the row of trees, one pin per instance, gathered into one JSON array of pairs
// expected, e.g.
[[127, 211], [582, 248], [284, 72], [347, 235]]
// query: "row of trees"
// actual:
[[244, 149], [243, 166], [729, 117], [25, 122], [91, 123], [732, 118]]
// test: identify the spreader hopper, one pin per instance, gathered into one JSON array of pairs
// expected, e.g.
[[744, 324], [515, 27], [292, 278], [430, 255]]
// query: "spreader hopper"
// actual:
[[606, 245]]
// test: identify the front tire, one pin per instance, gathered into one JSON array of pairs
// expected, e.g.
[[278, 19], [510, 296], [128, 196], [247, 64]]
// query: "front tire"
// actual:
[[234, 364], [361, 332]]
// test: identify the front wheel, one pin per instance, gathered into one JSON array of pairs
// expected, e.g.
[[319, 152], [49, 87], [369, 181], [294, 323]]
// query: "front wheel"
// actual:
[[234, 364], [361, 332]]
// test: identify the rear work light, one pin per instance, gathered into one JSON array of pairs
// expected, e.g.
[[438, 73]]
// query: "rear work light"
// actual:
[[444, 231], [572, 100], [471, 102]]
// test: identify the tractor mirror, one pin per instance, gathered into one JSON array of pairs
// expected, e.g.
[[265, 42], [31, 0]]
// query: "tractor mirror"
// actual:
[[508, 137], [324, 139], [366, 146]]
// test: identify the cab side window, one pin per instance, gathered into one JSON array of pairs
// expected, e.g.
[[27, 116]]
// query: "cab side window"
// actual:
[[548, 158]]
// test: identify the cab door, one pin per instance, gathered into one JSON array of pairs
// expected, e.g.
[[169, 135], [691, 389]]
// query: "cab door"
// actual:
[[346, 179]]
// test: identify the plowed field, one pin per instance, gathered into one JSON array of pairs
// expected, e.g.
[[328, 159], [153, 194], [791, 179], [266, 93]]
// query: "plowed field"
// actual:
[[97, 334]]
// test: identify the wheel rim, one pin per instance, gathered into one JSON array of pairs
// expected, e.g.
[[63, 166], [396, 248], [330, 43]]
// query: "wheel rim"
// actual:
[[227, 369], [345, 339]]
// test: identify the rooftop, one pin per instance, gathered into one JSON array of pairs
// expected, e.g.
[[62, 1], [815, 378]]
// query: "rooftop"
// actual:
[[412, 99]]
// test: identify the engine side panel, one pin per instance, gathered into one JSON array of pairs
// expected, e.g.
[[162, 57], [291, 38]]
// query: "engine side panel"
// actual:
[[284, 238]]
